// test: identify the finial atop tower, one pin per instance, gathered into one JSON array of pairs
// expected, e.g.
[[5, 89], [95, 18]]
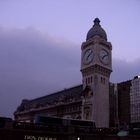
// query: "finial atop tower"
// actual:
[[96, 21]]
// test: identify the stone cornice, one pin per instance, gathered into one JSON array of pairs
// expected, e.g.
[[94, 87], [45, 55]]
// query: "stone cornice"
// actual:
[[96, 40], [96, 69]]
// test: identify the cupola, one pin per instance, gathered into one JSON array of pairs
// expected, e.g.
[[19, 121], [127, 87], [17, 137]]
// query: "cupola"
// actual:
[[96, 30]]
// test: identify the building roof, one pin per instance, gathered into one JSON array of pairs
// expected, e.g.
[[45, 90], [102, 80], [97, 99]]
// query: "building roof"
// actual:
[[64, 96]]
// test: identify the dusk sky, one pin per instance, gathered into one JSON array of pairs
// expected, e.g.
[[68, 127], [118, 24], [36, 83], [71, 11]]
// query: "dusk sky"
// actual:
[[40, 44]]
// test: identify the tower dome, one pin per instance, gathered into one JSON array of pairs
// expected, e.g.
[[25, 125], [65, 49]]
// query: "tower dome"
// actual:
[[96, 30]]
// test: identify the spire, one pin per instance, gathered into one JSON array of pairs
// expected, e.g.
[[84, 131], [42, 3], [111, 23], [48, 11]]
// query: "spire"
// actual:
[[96, 21]]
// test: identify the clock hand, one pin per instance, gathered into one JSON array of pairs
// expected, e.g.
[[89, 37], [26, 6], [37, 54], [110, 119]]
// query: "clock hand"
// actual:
[[104, 56], [89, 55]]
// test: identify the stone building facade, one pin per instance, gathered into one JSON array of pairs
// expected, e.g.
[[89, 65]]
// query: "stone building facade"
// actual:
[[125, 103], [66, 104], [135, 100], [113, 105]]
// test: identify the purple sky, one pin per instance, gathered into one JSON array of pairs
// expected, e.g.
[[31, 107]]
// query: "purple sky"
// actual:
[[40, 44]]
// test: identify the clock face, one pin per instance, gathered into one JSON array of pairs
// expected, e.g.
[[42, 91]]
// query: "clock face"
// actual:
[[104, 56], [88, 56]]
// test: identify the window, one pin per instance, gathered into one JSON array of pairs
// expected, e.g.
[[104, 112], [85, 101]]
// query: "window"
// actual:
[[103, 80]]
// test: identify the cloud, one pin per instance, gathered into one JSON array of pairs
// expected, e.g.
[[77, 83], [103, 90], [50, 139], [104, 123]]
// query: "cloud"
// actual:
[[33, 64], [124, 70]]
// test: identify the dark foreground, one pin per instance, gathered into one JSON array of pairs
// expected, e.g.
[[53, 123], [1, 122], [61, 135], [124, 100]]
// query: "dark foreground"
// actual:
[[49, 128], [18, 134]]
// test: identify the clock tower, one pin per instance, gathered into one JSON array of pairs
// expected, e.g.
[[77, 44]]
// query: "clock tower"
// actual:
[[96, 67]]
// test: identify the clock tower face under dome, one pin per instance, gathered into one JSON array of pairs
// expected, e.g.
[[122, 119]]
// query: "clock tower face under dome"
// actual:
[[96, 67]]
